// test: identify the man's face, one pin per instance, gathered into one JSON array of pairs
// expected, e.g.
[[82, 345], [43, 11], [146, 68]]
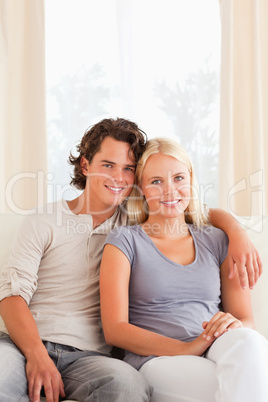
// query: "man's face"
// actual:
[[110, 175]]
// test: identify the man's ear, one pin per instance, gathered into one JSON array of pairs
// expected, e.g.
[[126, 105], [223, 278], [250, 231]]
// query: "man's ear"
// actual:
[[84, 165]]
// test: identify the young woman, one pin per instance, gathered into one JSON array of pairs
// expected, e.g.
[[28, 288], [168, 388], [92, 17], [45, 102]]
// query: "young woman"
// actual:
[[166, 296]]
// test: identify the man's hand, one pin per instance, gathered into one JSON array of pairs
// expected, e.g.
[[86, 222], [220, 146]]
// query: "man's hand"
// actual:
[[40, 369], [42, 372], [243, 256]]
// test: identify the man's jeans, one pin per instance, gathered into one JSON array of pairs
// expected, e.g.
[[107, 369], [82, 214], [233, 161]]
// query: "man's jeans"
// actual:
[[87, 376]]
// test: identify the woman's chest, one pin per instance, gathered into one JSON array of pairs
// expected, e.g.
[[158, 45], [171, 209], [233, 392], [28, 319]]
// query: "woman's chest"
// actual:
[[157, 278], [181, 251]]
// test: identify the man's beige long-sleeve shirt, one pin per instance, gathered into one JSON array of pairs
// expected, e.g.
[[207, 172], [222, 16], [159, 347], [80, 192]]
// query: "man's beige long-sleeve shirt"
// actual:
[[54, 265]]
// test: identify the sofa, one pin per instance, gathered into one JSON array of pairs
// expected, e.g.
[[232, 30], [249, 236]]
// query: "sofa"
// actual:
[[256, 227]]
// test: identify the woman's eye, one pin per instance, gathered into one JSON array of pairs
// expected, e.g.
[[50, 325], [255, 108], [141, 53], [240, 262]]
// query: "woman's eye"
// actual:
[[156, 182], [178, 178]]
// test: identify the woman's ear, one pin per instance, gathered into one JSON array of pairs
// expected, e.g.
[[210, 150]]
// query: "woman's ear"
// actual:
[[84, 164]]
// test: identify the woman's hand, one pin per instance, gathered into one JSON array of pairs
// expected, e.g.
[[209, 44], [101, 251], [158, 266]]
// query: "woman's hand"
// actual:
[[219, 324], [197, 347]]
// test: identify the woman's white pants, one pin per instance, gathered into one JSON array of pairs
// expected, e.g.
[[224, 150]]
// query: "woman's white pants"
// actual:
[[235, 369]]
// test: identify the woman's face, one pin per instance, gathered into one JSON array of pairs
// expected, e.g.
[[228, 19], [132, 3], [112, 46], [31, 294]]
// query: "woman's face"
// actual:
[[166, 185]]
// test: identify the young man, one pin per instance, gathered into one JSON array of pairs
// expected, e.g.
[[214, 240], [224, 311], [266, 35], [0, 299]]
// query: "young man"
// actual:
[[49, 289]]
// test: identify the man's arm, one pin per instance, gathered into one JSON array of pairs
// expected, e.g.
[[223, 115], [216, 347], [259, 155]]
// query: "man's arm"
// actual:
[[17, 286], [242, 255], [40, 369]]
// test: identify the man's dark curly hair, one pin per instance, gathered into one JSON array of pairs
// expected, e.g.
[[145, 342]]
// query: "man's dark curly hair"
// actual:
[[118, 129]]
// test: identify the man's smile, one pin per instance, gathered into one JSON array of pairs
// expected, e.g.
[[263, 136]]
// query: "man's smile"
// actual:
[[115, 189]]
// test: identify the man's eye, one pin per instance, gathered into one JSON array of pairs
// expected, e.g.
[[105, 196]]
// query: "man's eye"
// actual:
[[107, 165], [129, 169]]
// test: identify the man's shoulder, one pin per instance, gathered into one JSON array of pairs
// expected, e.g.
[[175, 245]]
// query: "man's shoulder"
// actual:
[[50, 214]]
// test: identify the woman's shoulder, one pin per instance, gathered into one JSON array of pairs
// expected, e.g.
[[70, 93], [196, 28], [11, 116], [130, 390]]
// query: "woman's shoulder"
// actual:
[[211, 239], [207, 231], [125, 238], [124, 232]]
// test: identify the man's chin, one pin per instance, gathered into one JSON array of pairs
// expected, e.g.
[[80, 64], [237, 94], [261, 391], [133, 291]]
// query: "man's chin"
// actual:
[[118, 202], [115, 202]]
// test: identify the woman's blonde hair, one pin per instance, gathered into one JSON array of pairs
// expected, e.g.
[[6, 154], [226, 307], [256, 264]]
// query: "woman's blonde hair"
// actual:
[[137, 206]]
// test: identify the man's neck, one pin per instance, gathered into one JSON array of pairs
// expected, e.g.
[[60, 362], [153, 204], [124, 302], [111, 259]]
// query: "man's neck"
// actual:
[[81, 205]]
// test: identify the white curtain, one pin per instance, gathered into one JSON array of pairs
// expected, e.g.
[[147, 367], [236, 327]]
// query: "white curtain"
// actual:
[[23, 155], [244, 107], [154, 62]]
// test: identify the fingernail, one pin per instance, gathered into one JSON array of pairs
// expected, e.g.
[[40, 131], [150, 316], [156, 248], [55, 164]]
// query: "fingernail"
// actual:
[[216, 334], [208, 338]]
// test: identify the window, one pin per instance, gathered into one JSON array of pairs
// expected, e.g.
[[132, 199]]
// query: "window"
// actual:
[[155, 62]]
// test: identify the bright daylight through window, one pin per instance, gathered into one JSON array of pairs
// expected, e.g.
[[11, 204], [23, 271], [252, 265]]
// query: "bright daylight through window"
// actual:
[[155, 62]]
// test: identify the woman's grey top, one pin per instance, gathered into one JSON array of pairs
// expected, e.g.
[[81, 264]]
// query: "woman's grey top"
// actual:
[[166, 297]]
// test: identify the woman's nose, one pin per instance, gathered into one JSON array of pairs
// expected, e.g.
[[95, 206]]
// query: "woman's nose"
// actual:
[[170, 189]]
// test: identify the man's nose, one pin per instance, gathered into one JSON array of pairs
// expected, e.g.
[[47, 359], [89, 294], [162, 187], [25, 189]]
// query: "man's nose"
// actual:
[[118, 175]]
